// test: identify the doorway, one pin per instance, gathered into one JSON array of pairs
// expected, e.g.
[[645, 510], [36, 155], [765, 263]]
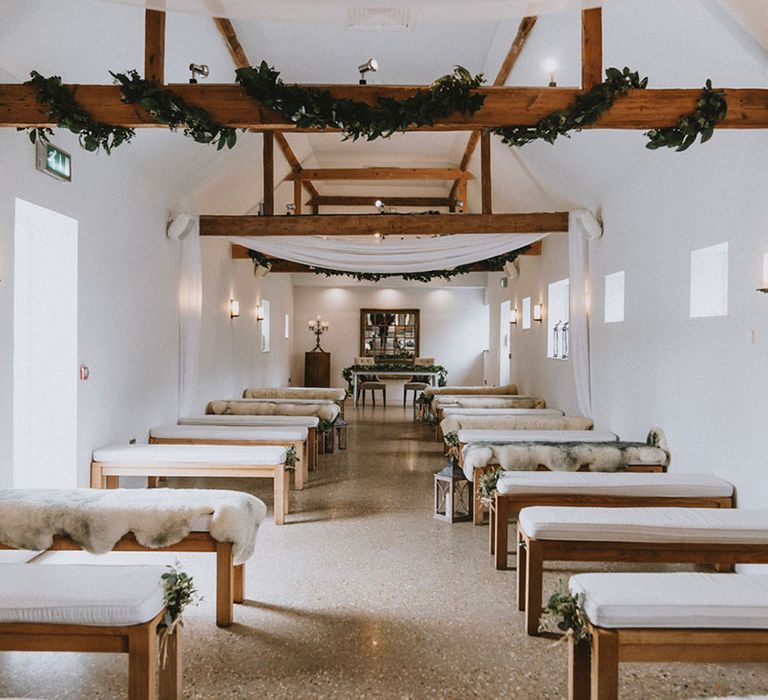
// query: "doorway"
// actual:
[[44, 348]]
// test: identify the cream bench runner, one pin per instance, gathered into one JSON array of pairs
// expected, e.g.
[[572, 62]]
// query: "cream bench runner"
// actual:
[[518, 490], [335, 394], [152, 461], [275, 436], [671, 617], [113, 609], [723, 537], [311, 423], [137, 520]]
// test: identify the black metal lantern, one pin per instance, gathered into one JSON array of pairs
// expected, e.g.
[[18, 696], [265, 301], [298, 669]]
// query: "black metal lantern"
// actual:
[[453, 496]]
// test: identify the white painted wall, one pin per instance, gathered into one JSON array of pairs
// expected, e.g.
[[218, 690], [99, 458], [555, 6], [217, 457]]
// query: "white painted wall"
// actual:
[[454, 325]]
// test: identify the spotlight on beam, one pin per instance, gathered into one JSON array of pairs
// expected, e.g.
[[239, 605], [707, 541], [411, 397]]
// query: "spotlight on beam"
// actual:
[[371, 65], [198, 69]]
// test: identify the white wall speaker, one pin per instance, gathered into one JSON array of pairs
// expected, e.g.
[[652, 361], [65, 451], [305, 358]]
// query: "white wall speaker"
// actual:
[[512, 269], [180, 226]]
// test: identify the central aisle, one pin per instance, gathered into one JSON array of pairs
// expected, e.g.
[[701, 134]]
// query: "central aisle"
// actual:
[[362, 594]]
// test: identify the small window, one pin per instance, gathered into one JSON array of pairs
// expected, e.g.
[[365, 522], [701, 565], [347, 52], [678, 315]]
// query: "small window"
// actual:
[[709, 281], [526, 313], [265, 326], [557, 320], [614, 297]]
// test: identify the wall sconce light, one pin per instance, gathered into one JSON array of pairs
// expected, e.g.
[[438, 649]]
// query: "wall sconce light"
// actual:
[[538, 311], [764, 288], [234, 308], [513, 316], [371, 65], [259, 313], [550, 66]]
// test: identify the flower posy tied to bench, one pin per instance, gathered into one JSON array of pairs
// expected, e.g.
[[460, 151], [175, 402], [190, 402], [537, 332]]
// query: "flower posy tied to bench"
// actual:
[[180, 591], [564, 612]]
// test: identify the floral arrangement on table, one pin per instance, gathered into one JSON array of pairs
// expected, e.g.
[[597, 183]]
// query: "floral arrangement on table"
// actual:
[[564, 612], [347, 372], [312, 107], [179, 592]]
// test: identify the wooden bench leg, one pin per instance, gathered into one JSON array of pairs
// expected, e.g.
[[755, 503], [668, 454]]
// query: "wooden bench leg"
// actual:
[[225, 584], [298, 471], [304, 464], [152, 482], [533, 585], [97, 478], [522, 558], [312, 449], [501, 533], [239, 583], [280, 494], [142, 662], [492, 529], [478, 511], [113, 482], [170, 676], [604, 665], [578, 670]]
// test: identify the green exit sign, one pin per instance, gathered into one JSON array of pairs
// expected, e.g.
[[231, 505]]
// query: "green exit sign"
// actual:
[[53, 161]]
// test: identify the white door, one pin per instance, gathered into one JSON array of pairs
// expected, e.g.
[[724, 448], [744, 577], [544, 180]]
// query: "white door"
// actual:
[[504, 312], [44, 348]]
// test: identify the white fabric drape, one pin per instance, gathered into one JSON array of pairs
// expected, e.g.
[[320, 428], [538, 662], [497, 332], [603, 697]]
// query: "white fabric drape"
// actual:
[[366, 254], [578, 324], [190, 319]]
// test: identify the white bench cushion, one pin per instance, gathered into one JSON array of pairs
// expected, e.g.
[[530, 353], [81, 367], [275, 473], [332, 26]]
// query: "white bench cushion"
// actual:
[[143, 455], [229, 432], [332, 394], [457, 411], [716, 525], [615, 484], [80, 594], [682, 600], [502, 436], [302, 421]]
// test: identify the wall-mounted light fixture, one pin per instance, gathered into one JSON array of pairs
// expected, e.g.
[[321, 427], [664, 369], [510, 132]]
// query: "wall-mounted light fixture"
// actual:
[[538, 312], [764, 288], [513, 316], [550, 66], [371, 65], [290, 209], [234, 308], [197, 69], [259, 313]]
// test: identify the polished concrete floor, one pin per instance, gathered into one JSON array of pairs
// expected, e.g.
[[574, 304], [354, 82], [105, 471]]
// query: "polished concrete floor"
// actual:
[[362, 594]]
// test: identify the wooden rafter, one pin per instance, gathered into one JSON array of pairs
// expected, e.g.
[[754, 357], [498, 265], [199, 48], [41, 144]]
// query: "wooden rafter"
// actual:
[[485, 172], [526, 25], [360, 201], [229, 105], [378, 174], [591, 48], [269, 172], [154, 46], [389, 225]]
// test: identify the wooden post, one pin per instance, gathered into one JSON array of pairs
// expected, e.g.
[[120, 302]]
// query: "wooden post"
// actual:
[[591, 48], [142, 662], [604, 664], [225, 584], [297, 193], [578, 669], [171, 675], [485, 171], [269, 173], [463, 195], [154, 46]]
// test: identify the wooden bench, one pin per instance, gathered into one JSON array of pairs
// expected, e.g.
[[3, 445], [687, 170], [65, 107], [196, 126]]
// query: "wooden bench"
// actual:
[[153, 461], [518, 490], [456, 411], [112, 609], [663, 618], [721, 537], [274, 436]]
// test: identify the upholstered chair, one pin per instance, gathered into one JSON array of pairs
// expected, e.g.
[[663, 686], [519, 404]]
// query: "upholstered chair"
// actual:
[[417, 383], [369, 382]]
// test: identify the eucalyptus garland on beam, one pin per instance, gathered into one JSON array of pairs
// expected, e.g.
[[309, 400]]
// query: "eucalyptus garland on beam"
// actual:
[[711, 108], [491, 264], [309, 107], [169, 109], [64, 110]]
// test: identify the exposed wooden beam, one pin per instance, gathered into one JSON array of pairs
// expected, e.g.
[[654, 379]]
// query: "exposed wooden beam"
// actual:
[[378, 174], [297, 192], [230, 106], [293, 161], [591, 48], [486, 183], [388, 224], [359, 201], [523, 30], [234, 47], [154, 46], [240, 252], [269, 173]]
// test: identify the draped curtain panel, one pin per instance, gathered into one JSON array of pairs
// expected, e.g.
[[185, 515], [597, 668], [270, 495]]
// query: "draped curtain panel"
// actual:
[[578, 327], [364, 254], [190, 319]]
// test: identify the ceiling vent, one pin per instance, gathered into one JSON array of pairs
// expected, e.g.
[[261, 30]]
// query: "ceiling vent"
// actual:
[[388, 19]]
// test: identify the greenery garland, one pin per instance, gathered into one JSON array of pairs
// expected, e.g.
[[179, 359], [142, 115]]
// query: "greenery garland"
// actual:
[[309, 107], [169, 109], [711, 107], [586, 109], [391, 367], [64, 110], [564, 612], [494, 263]]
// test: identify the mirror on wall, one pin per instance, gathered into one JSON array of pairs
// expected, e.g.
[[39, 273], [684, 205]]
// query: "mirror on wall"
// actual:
[[389, 335]]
